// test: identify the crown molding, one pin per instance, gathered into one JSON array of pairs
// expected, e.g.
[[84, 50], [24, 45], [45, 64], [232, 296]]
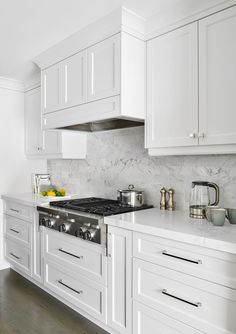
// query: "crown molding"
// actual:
[[33, 82], [120, 20], [156, 25], [11, 84]]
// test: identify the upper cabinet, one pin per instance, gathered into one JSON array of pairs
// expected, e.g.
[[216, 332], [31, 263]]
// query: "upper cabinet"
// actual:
[[191, 75], [217, 78], [103, 69], [172, 95], [96, 84], [49, 144], [51, 89]]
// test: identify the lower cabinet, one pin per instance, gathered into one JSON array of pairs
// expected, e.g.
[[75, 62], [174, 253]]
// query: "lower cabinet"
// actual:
[[77, 289], [19, 256], [148, 321], [120, 280]]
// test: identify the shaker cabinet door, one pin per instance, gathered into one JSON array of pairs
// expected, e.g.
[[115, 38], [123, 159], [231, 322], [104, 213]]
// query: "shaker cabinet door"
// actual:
[[217, 75], [74, 80], [32, 122], [172, 88], [120, 280], [51, 89], [104, 69]]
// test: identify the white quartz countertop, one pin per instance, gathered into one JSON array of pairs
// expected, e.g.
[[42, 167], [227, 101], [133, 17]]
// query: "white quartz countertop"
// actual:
[[177, 225], [33, 200]]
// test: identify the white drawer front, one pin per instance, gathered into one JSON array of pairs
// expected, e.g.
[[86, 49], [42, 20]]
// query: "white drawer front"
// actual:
[[77, 289], [87, 257], [201, 262], [18, 229], [18, 210], [149, 321], [198, 303], [19, 256]]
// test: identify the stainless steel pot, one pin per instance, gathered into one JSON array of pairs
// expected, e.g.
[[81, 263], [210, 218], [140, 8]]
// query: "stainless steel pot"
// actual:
[[130, 196]]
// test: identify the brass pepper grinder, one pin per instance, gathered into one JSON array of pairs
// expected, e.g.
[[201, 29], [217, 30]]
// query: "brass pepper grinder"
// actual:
[[163, 199], [171, 203]]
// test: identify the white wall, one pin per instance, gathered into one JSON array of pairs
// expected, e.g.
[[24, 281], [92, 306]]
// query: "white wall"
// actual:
[[15, 169]]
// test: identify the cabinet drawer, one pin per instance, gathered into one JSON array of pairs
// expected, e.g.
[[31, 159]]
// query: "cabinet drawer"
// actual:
[[215, 266], [19, 256], [76, 289], [86, 257], [18, 229], [201, 304], [149, 321], [18, 210]]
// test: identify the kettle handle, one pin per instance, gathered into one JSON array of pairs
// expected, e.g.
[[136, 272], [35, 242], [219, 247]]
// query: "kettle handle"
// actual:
[[217, 190]]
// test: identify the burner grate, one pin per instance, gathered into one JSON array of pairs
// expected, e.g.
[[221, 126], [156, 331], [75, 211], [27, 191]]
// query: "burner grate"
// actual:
[[99, 206]]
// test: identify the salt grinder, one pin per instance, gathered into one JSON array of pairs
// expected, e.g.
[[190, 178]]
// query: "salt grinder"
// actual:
[[171, 203], [163, 199]]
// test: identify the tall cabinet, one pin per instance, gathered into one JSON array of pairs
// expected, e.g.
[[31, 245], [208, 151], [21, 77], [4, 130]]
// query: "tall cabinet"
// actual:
[[191, 76]]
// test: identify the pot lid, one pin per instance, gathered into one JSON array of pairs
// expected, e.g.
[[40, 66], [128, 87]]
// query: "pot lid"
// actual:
[[131, 188]]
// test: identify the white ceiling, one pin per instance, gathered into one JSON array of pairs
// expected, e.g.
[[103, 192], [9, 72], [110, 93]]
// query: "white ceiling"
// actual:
[[28, 27]]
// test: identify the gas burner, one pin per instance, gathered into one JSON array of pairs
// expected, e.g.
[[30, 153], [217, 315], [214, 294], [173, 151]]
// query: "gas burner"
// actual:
[[83, 218], [98, 206]]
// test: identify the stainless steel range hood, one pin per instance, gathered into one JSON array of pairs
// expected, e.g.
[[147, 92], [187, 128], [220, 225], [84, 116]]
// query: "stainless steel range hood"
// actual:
[[104, 125]]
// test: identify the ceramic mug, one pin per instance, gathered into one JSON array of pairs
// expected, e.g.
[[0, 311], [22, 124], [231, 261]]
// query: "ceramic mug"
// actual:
[[208, 211], [231, 215], [218, 216]]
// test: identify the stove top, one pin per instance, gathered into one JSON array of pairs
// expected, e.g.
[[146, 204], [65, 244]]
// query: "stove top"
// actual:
[[100, 206]]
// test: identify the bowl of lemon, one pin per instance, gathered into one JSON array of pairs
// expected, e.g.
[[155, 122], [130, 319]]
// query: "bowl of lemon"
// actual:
[[54, 193]]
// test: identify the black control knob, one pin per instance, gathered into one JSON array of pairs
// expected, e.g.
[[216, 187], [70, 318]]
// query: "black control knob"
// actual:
[[80, 232], [65, 227], [43, 222], [89, 234], [50, 223]]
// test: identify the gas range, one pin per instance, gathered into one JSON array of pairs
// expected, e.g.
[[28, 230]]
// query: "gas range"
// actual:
[[84, 217]]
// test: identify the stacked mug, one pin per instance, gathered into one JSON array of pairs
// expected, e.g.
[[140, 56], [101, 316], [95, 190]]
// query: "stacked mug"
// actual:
[[217, 215]]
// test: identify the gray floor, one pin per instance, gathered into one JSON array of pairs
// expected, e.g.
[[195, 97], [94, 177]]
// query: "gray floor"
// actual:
[[26, 309]]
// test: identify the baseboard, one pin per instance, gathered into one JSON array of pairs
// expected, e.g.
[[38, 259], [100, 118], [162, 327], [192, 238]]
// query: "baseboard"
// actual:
[[4, 265]]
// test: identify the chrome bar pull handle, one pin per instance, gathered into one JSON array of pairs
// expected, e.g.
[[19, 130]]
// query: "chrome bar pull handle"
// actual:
[[181, 258], [15, 256], [195, 304], [68, 287], [14, 210], [63, 251], [12, 229]]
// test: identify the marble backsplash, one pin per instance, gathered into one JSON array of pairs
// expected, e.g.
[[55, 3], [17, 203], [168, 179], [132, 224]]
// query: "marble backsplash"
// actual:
[[116, 159]]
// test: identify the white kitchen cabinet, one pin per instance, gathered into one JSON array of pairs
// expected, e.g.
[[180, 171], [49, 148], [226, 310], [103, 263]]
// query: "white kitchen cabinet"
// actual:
[[51, 92], [172, 88], [104, 82], [104, 69], [182, 118], [147, 320], [49, 144], [73, 80], [120, 280], [37, 270], [217, 78]]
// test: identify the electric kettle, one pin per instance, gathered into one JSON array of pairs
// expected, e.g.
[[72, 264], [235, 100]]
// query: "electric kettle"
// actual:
[[200, 198]]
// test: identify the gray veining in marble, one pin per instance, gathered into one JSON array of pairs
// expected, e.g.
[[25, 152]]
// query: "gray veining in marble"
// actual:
[[117, 158]]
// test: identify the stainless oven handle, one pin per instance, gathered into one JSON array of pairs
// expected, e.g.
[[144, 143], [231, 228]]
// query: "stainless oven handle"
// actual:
[[165, 292], [63, 251], [181, 258], [68, 287]]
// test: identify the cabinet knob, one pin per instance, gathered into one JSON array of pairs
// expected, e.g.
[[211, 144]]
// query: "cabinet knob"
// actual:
[[192, 135]]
